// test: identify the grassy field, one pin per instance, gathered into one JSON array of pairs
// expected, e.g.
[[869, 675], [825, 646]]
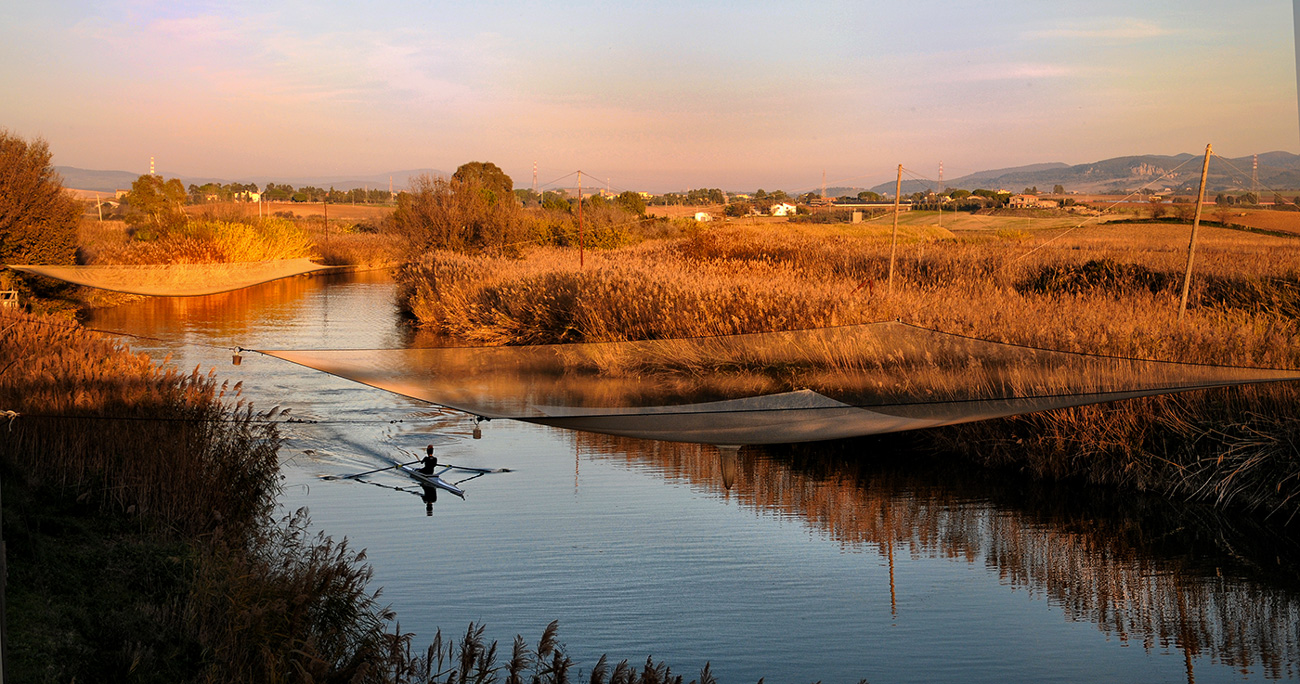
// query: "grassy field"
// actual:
[[1281, 221]]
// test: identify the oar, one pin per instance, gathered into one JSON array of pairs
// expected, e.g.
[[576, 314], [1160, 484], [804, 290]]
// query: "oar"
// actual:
[[477, 470], [376, 470]]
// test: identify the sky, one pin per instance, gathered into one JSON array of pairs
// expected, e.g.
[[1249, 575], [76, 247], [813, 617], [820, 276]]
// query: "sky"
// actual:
[[642, 95]]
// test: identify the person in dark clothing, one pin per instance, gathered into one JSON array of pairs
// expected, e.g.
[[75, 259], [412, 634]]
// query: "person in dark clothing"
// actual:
[[430, 461], [430, 493]]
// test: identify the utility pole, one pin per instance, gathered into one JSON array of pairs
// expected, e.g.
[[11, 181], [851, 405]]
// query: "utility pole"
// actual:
[[939, 198], [893, 243], [1196, 225]]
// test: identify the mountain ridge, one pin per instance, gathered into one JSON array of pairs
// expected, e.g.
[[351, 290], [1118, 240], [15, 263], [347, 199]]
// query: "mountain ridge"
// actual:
[[1179, 173]]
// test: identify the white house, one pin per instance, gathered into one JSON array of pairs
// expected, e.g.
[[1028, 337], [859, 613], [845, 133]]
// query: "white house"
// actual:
[[782, 209], [703, 216]]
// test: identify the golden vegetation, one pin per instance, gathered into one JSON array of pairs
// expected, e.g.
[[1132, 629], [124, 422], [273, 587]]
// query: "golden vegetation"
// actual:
[[1101, 289], [154, 493], [197, 241]]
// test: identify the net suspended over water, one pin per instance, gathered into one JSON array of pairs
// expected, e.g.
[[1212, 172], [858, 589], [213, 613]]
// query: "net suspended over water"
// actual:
[[767, 388], [175, 280]]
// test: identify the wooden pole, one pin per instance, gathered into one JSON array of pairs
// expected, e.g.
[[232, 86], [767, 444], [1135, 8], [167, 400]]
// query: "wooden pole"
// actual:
[[893, 243], [1196, 226], [581, 236]]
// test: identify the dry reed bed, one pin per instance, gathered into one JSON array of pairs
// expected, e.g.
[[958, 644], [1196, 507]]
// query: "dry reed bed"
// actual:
[[98, 421], [198, 241], [168, 452], [225, 237], [754, 281], [1233, 447]]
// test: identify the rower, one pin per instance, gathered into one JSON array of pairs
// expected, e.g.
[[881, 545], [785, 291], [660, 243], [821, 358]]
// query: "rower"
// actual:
[[430, 461]]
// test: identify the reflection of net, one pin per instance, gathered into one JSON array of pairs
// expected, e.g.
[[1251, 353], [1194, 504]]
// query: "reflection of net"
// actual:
[[767, 388], [175, 280], [1138, 583]]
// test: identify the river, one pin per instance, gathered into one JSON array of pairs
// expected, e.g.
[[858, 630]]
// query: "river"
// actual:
[[834, 562]]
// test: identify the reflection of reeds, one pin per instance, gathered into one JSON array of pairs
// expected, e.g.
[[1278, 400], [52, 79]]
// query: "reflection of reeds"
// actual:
[[1133, 581]]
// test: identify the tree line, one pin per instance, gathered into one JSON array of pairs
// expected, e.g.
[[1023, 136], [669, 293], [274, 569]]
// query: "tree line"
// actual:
[[284, 192]]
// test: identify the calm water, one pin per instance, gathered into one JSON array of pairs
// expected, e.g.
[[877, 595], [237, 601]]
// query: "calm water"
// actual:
[[832, 562]]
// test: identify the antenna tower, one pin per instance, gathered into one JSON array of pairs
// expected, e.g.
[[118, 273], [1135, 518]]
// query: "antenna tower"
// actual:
[[823, 183], [1254, 177], [534, 177], [151, 165], [940, 176]]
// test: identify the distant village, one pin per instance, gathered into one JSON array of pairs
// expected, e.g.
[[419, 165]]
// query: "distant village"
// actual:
[[720, 204]]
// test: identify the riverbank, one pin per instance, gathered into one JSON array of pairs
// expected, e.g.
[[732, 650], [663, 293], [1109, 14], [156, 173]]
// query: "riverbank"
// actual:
[[142, 546], [1109, 290], [138, 518]]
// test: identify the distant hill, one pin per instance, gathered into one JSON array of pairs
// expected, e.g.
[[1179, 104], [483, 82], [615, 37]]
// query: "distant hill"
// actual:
[[87, 179], [1278, 171], [108, 181]]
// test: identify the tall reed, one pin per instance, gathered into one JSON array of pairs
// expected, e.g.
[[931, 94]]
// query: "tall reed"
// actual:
[[1105, 290], [191, 471], [201, 240]]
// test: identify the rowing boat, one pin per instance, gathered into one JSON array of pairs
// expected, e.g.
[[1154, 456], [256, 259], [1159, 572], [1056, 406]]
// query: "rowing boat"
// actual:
[[433, 480]]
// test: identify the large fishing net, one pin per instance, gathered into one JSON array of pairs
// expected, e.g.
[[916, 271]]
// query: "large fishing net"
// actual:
[[175, 280], [767, 388]]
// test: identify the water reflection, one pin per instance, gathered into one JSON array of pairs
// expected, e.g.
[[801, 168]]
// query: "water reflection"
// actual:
[[1145, 571], [270, 313]]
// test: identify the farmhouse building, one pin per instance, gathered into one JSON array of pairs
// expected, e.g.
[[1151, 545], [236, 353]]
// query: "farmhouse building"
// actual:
[[1031, 202]]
